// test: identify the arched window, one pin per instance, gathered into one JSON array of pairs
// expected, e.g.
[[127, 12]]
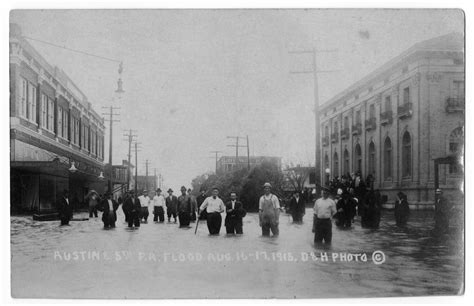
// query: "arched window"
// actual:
[[456, 147], [346, 162], [406, 155], [387, 158], [326, 131], [372, 158], [336, 129], [335, 163], [358, 158]]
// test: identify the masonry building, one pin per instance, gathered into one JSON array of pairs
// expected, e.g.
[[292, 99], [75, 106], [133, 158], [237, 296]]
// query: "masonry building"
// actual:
[[395, 122], [56, 137]]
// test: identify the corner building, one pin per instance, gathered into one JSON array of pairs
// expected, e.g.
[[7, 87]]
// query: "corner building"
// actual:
[[396, 121]]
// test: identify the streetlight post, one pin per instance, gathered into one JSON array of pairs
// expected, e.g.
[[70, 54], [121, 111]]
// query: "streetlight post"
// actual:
[[328, 173]]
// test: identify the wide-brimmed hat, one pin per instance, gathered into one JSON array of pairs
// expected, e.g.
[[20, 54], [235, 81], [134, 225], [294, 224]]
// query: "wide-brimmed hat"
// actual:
[[183, 188], [439, 190], [170, 190], [267, 185], [158, 190]]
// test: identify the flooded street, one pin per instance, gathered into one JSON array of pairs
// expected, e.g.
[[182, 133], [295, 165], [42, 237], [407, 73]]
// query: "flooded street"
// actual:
[[163, 261]]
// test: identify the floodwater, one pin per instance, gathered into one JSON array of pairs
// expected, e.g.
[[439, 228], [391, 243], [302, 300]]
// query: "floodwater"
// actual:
[[163, 261]]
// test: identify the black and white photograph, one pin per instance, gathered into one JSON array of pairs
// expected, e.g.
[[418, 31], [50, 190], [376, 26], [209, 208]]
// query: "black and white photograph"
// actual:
[[283, 153]]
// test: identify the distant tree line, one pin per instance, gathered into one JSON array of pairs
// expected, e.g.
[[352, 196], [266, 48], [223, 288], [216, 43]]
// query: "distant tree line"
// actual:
[[247, 184]]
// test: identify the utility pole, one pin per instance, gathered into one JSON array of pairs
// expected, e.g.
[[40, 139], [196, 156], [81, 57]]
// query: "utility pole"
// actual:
[[129, 138], [111, 120], [136, 165], [237, 162], [314, 71], [248, 154], [146, 173], [216, 152]]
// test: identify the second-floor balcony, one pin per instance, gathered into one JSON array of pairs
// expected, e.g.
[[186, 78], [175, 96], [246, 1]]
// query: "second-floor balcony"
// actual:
[[345, 133], [405, 110], [334, 137], [455, 105], [357, 129], [386, 118], [370, 124], [325, 141]]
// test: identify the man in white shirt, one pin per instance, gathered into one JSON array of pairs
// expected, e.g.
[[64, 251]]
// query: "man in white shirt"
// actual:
[[144, 203], [324, 209], [158, 206], [269, 212], [214, 207]]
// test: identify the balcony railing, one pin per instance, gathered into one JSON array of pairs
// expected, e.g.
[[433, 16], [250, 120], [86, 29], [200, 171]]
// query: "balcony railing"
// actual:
[[455, 105], [386, 118], [325, 141], [357, 129], [334, 137], [345, 133], [370, 124], [405, 110]]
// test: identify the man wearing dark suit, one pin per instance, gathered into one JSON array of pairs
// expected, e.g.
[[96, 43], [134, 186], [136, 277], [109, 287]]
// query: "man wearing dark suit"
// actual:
[[200, 199], [235, 212], [109, 207], [132, 208], [65, 208], [297, 208], [171, 205]]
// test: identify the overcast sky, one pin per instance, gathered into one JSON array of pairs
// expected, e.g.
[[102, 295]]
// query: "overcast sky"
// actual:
[[194, 77]]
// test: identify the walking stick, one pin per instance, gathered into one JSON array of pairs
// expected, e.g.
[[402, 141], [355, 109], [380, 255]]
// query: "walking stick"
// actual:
[[197, 223]]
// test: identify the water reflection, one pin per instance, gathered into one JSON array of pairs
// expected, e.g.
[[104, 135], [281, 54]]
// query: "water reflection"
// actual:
[[417, 261]]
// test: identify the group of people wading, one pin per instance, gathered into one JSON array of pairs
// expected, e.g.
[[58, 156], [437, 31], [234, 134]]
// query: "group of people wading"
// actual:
[[342, 205]]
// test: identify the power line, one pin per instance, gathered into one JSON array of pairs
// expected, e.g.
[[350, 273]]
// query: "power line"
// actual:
[[315, 71], [216, 152], [74, 50]]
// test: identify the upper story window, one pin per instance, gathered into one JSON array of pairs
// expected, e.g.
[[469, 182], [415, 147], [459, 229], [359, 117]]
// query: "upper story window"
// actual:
[[458, 90], [28, 100], [357, 116], [50, 114], [60, 121], [406, 95], [372, 111], [388, 103], [346, 122], [44, 111]]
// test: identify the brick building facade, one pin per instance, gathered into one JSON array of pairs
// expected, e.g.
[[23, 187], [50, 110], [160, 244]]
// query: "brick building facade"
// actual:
[[52, 128]]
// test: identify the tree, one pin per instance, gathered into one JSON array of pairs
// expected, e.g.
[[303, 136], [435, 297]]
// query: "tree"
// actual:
[[296, 177]]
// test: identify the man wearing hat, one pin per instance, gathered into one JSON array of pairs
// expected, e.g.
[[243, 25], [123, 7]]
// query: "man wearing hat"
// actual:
[[184, 208], [402, 210], [214, 206], [297, 207], [194, 207], [109, 207], [200, 199], [144, 203], [132, 208], [324, 209], [442, 212], [269, 212], [171, 205], [234, 214], [345, 210], [158, 206], [65, 208]]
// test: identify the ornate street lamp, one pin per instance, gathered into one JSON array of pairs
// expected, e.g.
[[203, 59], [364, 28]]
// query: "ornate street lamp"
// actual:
[[73, 168]]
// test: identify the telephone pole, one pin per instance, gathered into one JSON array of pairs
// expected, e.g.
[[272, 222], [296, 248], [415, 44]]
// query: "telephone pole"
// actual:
[[146, 173], [136, 165], [237, 146], [216, 152], [248, 154], [129, 138], [314, 71], [111, 120]]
